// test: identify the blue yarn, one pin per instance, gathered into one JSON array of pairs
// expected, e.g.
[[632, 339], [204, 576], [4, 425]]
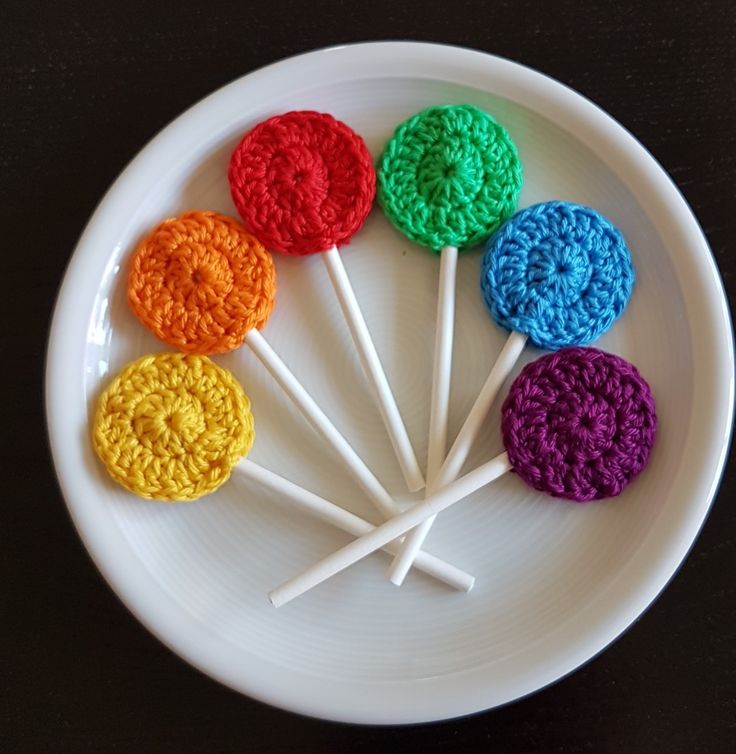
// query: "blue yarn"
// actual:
[[558, 272]]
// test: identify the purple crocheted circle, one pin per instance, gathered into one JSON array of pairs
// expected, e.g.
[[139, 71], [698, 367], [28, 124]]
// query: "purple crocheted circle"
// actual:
[[579, 424]]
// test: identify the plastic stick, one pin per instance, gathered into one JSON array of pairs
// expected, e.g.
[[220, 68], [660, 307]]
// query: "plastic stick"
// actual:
[[319, 421], [441, 378], [373, 370], [461, 448], [330, 513], [390, 530]]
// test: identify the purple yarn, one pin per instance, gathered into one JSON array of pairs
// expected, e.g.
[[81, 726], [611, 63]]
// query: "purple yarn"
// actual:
[[579, 424]]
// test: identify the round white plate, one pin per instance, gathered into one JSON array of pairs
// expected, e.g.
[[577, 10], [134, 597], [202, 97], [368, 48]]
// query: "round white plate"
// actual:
[[556, 582]]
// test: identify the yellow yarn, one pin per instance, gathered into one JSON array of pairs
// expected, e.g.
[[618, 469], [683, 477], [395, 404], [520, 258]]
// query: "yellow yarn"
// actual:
[[172, 426]]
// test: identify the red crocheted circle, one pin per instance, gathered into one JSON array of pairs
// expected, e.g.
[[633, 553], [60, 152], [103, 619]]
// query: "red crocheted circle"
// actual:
[[302, 182]]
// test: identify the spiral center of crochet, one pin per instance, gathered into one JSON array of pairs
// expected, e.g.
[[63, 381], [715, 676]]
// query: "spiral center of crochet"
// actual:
[[450, 175], [169, 421], [199, 273], [584, 424], [559, 272], [298, 178]]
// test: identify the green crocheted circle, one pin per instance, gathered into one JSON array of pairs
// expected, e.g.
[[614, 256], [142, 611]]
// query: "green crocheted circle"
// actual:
[[449, 176]]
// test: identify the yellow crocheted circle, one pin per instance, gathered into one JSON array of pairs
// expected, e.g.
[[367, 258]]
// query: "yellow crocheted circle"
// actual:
[[172, 426]]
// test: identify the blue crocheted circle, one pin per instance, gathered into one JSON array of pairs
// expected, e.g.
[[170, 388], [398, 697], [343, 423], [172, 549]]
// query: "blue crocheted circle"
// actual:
[[557, 272]]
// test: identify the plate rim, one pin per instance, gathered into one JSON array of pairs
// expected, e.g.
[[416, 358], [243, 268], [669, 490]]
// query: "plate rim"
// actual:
[[355, 701]]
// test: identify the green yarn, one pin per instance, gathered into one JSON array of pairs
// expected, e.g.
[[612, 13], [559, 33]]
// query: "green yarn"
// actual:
[[449, 176]]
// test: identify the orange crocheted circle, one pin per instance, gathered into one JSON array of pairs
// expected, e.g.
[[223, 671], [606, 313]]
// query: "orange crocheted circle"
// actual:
[[200, 282]]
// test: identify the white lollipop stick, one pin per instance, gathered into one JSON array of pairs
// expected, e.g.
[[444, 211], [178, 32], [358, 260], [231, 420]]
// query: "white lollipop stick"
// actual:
[[476, 417], [389, 531], [441, 377], [330, 513], [461, 448], [373, 370], [319, 421], [442, 367]]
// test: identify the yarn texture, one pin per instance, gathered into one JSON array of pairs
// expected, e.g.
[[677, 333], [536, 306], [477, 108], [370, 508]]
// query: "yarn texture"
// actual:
[[200, 282], [171, 426], [449, 176], [558, 272], [302, 182], [579, 423]]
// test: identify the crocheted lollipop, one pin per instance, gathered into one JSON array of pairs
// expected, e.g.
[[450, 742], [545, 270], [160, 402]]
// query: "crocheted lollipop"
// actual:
[[204, 285], [557, 274], [448, 177], [174, 427], [304, 183], [577, 424]]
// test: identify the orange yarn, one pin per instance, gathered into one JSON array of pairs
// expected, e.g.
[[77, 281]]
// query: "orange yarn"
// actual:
[[200, 282]]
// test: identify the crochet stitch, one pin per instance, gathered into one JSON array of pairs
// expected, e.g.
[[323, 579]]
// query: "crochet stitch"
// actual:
[[302, 182], [579, 424], [558, 272], [171, 427], [200, 282], [449, 176]]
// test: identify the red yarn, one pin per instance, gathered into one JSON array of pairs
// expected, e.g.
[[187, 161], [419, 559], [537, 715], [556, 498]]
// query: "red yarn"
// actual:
[[302, 182]]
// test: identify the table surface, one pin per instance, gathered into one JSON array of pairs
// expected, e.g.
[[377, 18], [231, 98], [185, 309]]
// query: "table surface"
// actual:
[[84, 86]]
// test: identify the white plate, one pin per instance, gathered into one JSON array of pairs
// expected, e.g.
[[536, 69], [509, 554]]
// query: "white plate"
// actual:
[[556, 582]]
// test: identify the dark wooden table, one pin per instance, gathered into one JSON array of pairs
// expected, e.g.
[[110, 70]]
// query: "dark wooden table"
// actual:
[[84, 86]]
